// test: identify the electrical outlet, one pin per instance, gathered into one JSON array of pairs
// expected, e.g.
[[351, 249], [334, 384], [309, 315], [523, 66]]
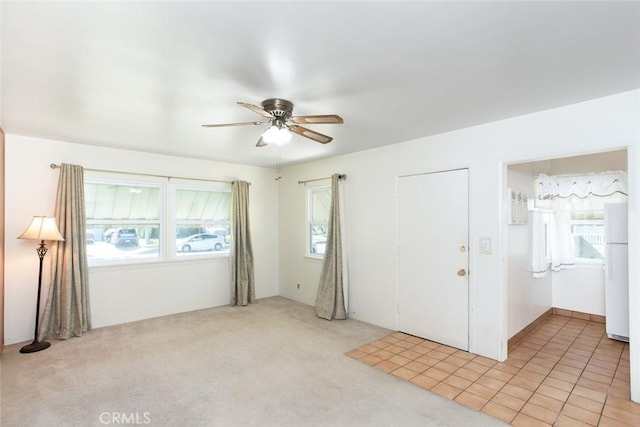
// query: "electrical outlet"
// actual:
[[298, 285]]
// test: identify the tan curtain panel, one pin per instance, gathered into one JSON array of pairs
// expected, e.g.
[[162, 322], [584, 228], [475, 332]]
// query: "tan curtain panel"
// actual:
[[67, 312], [242, 277], [330, 298]]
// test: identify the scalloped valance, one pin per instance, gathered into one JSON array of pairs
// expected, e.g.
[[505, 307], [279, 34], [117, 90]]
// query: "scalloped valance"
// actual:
[[581, 186]]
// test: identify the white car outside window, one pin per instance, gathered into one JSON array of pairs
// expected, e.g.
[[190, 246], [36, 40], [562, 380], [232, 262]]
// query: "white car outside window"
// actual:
[[201, 242]]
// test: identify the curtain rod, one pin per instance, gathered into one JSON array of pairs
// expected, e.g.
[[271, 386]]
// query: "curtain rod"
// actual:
[[341, 177], [54, 166]]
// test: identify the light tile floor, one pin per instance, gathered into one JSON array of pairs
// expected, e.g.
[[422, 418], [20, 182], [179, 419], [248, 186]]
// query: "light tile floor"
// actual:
[[565, 373]]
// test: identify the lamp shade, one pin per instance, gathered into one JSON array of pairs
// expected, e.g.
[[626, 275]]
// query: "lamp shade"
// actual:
[[42, 228], [276, 135]]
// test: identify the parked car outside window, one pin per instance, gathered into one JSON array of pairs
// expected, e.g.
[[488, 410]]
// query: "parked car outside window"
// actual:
[[123, 236], [201, 242]]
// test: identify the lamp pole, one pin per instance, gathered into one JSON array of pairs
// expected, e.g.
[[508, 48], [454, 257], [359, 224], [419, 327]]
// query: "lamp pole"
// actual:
[[41, 228], [36, 345]]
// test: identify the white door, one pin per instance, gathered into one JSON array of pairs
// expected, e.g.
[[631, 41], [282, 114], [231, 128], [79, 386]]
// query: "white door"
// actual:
[[433, 234]]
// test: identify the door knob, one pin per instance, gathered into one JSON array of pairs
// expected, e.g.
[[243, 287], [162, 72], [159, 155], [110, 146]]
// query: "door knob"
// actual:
[[462, 272]]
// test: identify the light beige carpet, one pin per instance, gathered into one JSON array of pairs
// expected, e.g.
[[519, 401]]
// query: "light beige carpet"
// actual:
[[273, 363]]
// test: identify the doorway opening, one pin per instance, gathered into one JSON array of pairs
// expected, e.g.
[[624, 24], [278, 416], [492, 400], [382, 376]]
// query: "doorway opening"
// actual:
[[580, 289]]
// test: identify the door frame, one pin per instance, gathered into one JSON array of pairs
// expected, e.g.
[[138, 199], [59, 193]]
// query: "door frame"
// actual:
[[470, 251], [633, 176]]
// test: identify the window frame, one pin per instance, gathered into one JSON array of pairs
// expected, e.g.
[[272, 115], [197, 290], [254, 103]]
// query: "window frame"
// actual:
[[581, 260], [167, 223], [174, 223], [595, 220], [131, 181]]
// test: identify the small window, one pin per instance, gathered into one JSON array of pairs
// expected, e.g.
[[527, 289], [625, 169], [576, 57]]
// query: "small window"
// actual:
[[587, 225], [318, 204], [588, 237]]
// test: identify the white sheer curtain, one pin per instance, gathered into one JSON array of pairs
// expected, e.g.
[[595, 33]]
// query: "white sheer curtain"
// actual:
[[558, 239], [561, 238], [538, 244]]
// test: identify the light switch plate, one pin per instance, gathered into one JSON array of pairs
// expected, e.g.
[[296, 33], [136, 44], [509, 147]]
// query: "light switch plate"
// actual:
[[485, 245]]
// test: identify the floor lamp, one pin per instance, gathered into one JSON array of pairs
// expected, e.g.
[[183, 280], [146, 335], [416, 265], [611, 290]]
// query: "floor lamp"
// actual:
[[41, 228]]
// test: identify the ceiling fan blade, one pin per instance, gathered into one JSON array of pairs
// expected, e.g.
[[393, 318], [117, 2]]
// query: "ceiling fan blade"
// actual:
[[257, 110], [221, 125], [261, 143], [308, 133], [319, 119]]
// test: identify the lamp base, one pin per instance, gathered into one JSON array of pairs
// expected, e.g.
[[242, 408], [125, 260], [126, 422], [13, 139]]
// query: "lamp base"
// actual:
[[35, 346]]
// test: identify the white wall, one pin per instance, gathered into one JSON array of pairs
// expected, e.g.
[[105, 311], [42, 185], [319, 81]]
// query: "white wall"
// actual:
[[598, 125], [581, 289], [528, 298], [2, 181], [125, 293], [1, 198]]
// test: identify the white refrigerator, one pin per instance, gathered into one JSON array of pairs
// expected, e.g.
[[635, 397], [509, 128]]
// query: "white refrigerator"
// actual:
[[616, 271]]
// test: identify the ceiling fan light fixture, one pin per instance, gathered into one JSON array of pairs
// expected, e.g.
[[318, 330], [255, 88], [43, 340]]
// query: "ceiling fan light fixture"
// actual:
[[282, 123], [276, 135]]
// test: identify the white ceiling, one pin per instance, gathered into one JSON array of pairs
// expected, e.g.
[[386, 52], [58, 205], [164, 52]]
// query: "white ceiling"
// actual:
[[146, 75]]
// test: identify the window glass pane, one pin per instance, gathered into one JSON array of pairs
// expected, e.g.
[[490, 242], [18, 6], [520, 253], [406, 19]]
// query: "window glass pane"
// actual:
[[587, 224], [318, 238], [320, 202], [108, 201], [588, 238], [123, 221], [202, 221], [203, 205], [112, 242], [318, 206]]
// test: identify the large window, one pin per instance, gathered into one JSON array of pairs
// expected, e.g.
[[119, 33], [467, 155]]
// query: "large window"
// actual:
[[318, 203], [130, 221]]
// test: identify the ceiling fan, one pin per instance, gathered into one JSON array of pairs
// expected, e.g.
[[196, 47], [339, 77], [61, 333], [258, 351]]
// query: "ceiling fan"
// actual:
[[278, 113]]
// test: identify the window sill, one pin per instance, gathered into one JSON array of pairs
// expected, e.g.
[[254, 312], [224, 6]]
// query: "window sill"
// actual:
[[314, 258], [588, 264], [155, 262]]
